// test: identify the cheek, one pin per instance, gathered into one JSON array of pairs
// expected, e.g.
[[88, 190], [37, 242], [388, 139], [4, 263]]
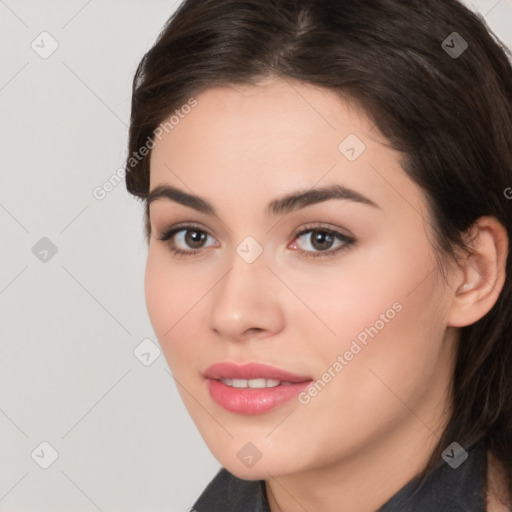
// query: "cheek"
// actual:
[[389, 317], [176, 295], [383, 311], [353, 295], [166, 295], [158, 294]]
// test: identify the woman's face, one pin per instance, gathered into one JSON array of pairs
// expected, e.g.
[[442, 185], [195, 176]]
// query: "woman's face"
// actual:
[[343, 290]]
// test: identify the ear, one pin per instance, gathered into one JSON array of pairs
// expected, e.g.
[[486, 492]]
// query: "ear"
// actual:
[[481, 273]]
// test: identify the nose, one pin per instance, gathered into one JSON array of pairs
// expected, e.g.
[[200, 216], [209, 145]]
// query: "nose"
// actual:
[[247, 302]]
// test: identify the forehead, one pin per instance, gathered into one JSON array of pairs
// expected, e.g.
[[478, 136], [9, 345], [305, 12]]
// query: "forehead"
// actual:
[[271, 138], [286, 107]]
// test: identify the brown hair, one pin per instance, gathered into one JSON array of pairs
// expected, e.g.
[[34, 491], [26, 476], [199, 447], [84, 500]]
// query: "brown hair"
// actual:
[[448, 111]]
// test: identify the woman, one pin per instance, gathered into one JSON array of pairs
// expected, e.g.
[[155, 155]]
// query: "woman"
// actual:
[[327, 203]]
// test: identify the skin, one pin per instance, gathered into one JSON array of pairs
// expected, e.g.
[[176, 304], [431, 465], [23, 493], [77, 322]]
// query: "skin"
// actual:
[[373, 426]]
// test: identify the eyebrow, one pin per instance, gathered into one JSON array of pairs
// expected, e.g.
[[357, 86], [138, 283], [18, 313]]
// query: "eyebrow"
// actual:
[[279, 206]]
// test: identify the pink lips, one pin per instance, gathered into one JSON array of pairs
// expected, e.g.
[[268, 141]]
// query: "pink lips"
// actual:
[[252, 400], [251, 371]]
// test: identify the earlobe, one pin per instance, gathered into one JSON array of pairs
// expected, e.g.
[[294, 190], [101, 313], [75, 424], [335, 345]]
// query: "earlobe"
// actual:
[[481, 273]]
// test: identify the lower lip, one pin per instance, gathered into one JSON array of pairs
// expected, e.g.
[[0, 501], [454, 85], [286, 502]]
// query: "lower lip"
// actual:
[[253, 400]]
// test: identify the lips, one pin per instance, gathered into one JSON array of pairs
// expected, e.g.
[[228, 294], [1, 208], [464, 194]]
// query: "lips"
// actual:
[[252, 388], [250, 371]]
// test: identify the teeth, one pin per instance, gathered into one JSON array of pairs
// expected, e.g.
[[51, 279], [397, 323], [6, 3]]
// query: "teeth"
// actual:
[[252, 383]]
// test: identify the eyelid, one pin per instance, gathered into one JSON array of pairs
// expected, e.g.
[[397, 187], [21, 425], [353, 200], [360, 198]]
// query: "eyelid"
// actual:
[[168, 233], [311, 226], [322, 226]]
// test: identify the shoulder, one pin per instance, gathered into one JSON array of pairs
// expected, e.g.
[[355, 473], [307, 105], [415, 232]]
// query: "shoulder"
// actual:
[[227, 493], [497, 494]]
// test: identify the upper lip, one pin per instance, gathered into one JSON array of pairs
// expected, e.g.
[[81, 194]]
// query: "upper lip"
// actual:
[[227, 370]]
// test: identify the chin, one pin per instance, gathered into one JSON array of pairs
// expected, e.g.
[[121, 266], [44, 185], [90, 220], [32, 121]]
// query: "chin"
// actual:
[[263, 469], [249, 474]]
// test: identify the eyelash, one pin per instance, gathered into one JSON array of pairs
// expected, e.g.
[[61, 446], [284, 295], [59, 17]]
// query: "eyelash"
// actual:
[[348, 241]]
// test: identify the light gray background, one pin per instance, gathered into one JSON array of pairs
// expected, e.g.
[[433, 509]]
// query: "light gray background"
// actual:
[[69, 325]]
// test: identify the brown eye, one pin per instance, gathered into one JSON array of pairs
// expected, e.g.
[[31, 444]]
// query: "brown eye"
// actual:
[[322, 240], [319, 242], [194, 238], [186, 240]]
